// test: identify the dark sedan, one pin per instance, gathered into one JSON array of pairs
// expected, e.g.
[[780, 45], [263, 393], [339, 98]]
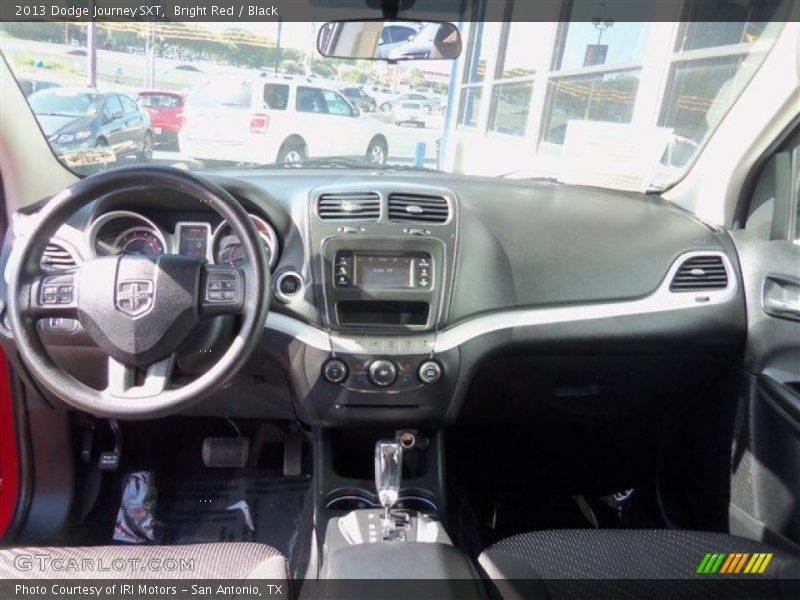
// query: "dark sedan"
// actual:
[[84, 126]]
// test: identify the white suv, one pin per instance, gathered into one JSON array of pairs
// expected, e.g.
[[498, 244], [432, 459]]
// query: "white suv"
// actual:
[[265, 120]]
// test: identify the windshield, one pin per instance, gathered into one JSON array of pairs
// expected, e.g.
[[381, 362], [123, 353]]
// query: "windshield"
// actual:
[[565, 100], [67, 104]]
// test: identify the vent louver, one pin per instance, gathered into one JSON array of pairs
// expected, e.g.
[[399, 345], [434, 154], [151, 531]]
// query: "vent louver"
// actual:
[[57, 258], [418, 208], [700, 273], [350, 206]]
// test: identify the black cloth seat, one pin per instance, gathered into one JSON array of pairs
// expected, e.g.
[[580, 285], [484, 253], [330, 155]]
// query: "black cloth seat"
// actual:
[[631, 563], [234, 560]]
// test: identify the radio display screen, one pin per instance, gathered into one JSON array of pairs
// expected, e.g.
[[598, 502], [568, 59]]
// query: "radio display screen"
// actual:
[[384, 271]]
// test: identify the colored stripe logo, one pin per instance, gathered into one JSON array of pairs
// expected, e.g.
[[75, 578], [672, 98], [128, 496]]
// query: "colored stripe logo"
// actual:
[[734, 563]]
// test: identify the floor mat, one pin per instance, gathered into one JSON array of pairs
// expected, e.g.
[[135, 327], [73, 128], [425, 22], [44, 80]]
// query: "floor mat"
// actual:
[[265, 510]]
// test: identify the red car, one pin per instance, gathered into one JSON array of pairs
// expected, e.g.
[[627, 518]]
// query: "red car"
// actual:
[[166, 114]]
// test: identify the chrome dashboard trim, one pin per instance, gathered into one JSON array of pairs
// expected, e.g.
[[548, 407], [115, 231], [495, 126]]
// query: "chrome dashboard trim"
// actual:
[[662, 300]]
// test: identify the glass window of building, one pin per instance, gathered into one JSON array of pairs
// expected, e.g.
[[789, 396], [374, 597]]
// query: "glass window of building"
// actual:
[[514, 77], [594, 97]]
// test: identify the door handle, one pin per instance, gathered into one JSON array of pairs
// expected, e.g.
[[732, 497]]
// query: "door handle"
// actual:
[[781, 297]]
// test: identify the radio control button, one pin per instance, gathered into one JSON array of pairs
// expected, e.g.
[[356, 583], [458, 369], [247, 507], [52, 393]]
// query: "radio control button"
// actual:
[[335, 371], [429, 372], [382, 372]]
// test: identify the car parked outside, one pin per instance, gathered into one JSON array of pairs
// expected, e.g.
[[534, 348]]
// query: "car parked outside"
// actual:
[[166, 114], [359, 98], [265, 120], [31, 86], [395, 36], [410, 113], [419, 47], [81, 119], [385, 98], [430, 104]]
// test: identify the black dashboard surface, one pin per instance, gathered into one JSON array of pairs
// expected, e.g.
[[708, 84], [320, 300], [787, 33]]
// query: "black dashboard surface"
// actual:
[[533, 264], [527, 244]]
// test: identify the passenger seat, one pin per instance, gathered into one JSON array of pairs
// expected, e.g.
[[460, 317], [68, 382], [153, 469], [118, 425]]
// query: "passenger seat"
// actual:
[[559, 564]]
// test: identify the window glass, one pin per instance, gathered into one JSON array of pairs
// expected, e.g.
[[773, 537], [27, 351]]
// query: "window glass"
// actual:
[[113, 107], [476, 56], [694, 89], [276, 96], [159, 101], [510, 106], [64, 102], [337, 105], [598, 97], [128, 105], [726, 22], [310, 100], [603, 42], [470, 106], [221, 92], [517, 59]]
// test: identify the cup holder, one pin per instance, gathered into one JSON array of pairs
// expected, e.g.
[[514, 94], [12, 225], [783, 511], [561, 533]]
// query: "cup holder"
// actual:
[[346, 500]]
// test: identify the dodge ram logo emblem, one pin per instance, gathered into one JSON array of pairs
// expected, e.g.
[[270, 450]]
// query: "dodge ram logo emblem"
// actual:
[[135, 297]]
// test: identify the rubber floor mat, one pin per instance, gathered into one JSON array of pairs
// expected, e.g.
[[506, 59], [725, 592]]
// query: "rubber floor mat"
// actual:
[[265, 510]]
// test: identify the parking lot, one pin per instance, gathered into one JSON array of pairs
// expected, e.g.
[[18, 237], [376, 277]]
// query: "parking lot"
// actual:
[[125, 73]]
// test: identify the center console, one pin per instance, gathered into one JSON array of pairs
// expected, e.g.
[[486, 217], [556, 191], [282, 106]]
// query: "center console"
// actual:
[[383, 259], [401, 545]]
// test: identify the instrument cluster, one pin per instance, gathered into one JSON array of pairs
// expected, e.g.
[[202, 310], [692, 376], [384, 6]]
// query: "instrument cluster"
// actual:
[[127, 232]]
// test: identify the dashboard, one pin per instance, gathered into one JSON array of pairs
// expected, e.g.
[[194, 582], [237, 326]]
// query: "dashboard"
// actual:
[[392, 291]]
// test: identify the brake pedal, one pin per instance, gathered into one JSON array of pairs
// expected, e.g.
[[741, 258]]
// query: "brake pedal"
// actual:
[[226, 452]]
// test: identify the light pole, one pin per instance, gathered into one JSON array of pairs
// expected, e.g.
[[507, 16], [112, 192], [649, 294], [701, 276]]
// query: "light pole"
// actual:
[[601, 25]]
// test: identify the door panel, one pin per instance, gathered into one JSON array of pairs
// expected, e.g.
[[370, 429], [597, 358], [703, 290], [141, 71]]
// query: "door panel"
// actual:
[[765, 484]]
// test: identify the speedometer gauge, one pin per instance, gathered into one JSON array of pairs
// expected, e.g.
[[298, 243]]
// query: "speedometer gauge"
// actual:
[[228, 248], [139, 240]]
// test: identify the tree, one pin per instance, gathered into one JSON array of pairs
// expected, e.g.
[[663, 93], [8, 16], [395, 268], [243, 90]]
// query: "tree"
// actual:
[[292, 67], [323, 70]]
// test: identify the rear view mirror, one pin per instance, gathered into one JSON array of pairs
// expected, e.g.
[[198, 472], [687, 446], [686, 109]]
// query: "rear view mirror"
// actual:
[[383, 40]]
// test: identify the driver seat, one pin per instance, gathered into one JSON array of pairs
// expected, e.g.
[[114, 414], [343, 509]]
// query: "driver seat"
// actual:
[[229, 560]]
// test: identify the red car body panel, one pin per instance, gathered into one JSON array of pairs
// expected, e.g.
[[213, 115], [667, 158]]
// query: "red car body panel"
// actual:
[[9, 457], [168, 120]]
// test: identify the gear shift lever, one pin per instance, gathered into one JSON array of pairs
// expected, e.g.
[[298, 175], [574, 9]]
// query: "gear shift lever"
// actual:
[[388, 472]]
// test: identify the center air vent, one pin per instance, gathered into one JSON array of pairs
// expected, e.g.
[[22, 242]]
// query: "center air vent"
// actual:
[[350, 206], [418, 208], [57, 258], [700, 273]]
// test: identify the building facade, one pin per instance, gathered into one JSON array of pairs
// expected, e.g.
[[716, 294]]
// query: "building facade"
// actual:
[[519, 83]]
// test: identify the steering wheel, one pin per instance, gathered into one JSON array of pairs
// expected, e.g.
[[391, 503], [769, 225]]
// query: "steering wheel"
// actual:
[[140, 310]]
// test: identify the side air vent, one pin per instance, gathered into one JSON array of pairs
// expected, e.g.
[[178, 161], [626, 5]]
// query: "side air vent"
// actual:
[[351, 206], [57, 258], [418, 208], [700, 273]]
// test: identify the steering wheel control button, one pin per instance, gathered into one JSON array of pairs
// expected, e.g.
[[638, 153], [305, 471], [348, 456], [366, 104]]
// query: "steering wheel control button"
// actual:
[[429, 372], [335, 371], [382, 372], [57, 290], [221, 286], [289, 285]]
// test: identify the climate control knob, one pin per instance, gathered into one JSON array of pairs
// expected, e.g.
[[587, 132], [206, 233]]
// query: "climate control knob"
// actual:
[[429, 372], [382, 372], [334, 371]]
